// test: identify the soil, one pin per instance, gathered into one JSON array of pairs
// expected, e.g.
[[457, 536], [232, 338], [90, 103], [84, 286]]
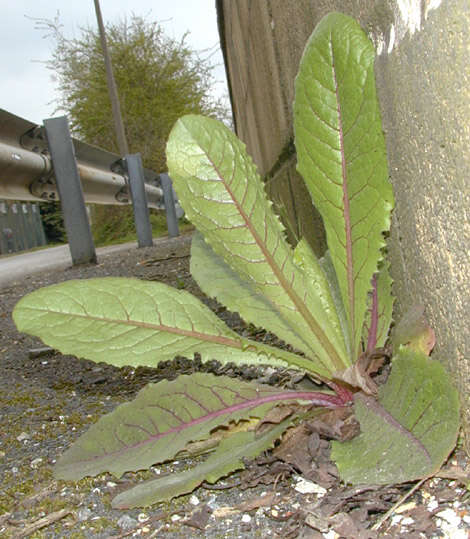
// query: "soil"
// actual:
[[48, 400]]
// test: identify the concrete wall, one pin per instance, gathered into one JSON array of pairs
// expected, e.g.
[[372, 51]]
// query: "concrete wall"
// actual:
[[423, 81]]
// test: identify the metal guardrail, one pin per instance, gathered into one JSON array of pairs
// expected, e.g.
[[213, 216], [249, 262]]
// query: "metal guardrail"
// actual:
[[26, 171]]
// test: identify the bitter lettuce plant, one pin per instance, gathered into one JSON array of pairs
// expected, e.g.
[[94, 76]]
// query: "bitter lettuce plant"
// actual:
[[334, 311]]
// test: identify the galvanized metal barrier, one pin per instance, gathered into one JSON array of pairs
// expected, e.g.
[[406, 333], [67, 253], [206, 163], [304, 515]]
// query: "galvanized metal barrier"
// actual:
[[20, 227], [28, 160]]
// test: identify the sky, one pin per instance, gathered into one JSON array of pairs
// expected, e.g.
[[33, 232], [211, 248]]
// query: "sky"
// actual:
[[27, 88]]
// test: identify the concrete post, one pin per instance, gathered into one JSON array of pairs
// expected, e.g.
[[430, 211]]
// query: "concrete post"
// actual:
[[139, 200], [76, 222], [169, 199]]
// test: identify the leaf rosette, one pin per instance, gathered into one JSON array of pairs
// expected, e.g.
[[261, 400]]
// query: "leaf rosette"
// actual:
[[333, 311]]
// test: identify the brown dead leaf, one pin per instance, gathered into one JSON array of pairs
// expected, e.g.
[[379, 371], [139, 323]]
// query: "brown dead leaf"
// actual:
[[261, 472], [199, 517], [336, 424], [345, 526], [293, 449], [357, 376], [276, 415], [261, 501]]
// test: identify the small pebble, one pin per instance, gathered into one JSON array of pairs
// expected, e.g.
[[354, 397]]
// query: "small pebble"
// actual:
[[142, 517], [246, 518], [194, 500], [36, 462], [127, 523], [175, 518], [23, 436], [83, 514]]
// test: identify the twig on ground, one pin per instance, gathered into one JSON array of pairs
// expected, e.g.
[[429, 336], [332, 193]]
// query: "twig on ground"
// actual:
[[43, 522], [389, 513]]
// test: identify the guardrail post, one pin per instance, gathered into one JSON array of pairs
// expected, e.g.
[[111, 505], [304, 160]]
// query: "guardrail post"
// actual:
[[70, 190], [169, 199], [139, 200]]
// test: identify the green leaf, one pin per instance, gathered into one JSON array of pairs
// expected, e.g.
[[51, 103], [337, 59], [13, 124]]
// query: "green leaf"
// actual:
[[410, 432], [342, 157], [227, 458], [164, 417], [335, 291], [380, 309], [131, 322], [223, 196], [216, 279], [325, 284]]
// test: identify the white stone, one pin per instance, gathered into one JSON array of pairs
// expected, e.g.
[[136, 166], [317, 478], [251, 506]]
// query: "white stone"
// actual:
[[142, 517], [246, 518], [83, 514], [450, 516], [36, 462], [308, 487], [407, 521], [194, 500], [127, 523]]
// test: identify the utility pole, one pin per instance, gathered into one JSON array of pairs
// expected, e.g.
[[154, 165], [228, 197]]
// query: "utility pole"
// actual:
[[113, 94]]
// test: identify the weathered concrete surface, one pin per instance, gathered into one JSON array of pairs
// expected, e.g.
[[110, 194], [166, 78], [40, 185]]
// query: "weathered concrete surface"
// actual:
[[423, 72]]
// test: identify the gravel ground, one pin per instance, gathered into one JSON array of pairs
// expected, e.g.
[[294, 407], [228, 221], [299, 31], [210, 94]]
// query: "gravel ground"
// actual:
[[48, 399]]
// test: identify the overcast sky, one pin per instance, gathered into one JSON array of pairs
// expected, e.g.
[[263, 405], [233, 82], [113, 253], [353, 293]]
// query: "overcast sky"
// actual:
[[27, 87]]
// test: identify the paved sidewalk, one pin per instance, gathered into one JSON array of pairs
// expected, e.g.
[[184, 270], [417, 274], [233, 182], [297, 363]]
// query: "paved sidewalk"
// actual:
[[15, 268]]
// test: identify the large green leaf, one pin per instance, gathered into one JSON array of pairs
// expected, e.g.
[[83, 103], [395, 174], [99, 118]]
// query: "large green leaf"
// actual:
[[409, 432], [228, 457], [222, 194], [131, 322], [342, 157], [164, 417], [217, 279]]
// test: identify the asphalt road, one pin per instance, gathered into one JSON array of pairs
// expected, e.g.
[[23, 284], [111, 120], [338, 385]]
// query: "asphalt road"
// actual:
[[18, 267]]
